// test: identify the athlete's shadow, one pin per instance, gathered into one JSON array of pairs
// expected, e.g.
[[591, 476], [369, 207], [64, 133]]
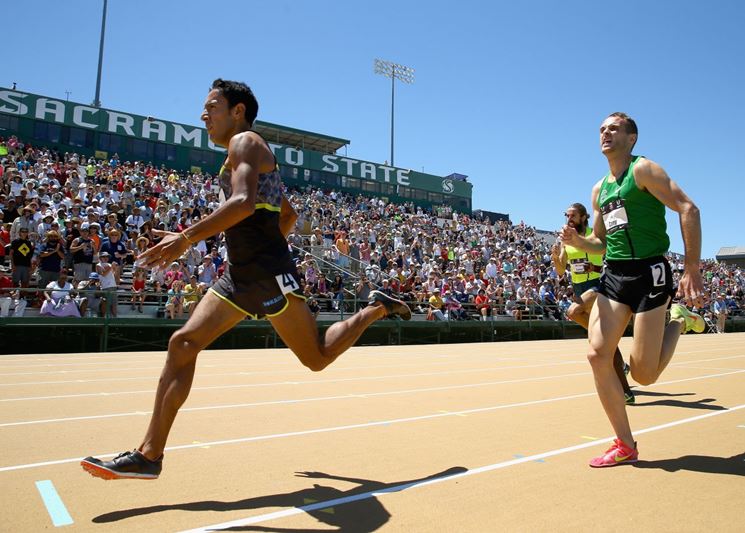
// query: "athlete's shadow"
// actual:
[[734, 466], [354, 510], [643, 392], [698, 404]]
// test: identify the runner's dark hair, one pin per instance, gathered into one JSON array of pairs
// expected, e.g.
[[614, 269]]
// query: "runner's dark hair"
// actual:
[[237, 92]]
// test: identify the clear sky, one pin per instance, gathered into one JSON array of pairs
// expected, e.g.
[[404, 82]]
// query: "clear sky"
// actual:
[[509, 93]]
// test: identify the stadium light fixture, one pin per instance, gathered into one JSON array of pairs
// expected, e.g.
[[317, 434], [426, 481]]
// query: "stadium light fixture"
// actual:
[[394, 71]]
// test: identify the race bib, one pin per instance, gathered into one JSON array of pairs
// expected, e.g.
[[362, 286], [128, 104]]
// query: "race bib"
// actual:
[[579, 266], [658, 274], [615, 216], [286, 283]]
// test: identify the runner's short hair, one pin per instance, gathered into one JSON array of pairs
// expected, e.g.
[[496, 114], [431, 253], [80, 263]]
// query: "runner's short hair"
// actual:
[[629, 122], [237, 92]]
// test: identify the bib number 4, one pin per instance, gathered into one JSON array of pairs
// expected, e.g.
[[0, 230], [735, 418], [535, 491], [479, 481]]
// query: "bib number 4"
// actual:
[[286, 283]]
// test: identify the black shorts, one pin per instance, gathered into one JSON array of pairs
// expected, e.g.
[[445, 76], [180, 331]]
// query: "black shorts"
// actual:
[[642, 284], [258, 298]]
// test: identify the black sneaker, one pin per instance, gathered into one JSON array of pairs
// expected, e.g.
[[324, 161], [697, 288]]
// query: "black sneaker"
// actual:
[[392, 306], [127, 465]]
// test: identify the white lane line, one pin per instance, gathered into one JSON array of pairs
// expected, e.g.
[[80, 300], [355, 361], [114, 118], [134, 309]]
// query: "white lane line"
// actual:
[[336, 397], [703, 368], [311, 431], [681, 363], [336, 380], [356, 426], [304, 400], [472, 472], [251, 372], [305, 382]]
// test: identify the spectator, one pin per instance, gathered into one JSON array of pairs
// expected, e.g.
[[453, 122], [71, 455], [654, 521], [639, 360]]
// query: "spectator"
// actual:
[[323, 291], [115, 248], [173, 273], [88, 298], [25, 221], [363, 289], [21, 254], [373, 272], [4, 242], [719, 307], [435, 306], [337, 288], [106, 274], [135, 221], [82, 249], [453, 308], [175, 301], [50, 258], [482, 305], [9, 299], [207, 272], [58, 301], [193, 293], [138, 289]]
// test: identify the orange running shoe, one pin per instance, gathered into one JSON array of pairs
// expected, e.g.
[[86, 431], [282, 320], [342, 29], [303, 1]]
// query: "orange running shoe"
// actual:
[[618, 454]]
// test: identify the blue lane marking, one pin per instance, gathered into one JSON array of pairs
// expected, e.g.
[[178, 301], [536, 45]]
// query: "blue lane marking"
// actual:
[[56, 509]]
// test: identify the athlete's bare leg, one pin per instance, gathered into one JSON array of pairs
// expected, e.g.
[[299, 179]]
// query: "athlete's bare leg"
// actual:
[[654, 344], [297, 328], [608, 321], [580, 313], [211, 318]]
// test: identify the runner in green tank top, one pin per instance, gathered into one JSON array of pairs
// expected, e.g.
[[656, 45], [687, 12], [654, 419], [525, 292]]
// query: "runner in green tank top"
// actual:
[[585, 269], [629, 225]]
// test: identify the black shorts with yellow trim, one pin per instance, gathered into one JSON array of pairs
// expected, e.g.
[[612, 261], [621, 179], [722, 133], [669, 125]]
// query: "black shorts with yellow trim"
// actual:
[[257, 298], [642, 284]]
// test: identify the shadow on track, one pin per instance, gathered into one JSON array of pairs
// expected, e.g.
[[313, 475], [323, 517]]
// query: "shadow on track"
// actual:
[[705, 403], [355, 510], [734, 466]]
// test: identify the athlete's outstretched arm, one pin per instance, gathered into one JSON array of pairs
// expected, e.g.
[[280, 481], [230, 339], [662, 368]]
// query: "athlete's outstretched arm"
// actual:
[[247, 154], [651, 177], [594, 243], [287, 217]]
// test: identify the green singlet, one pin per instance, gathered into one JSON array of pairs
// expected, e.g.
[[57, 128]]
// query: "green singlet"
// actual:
[[634, 219]]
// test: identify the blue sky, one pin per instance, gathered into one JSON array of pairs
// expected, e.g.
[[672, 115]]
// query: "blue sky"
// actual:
[[509, 93]]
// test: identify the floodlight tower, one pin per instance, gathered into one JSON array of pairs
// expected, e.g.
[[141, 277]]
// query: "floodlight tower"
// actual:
[[97, 100], [394, 71]]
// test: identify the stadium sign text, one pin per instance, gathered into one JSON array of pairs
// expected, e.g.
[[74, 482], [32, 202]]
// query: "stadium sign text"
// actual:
[[340, 165], [72, 114], [104, 120]]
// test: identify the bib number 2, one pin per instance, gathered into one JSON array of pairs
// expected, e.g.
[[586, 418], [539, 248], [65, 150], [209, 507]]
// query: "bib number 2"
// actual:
[[658, 274], [286, 283]]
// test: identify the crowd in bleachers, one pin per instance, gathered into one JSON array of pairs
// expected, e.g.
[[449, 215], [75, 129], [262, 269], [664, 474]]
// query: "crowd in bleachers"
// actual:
[[76, 225]]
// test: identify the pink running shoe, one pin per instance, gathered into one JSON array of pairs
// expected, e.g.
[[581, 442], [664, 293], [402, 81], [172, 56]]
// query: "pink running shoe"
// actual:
[[617, 454]]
